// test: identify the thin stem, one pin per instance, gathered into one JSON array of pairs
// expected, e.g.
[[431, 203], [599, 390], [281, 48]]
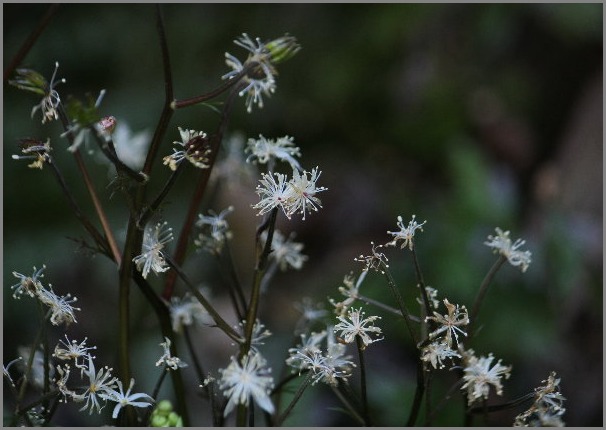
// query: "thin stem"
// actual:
[[348, 405], [502, 406], [96, 235], [237, 286], [394, 290], [179, 104], [219, 321], [194, 357], [30, 41], [159, 383], [455, 387], [148, 211], [481, 293], [360, 345], [163, 315], [279, 420], [91, 189], [420, 389], [255, 294], [105, 147], [422, 291], [385, 307], [199, 192]]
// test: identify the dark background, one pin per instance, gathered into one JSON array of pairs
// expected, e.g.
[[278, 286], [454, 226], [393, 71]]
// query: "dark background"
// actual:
[[469, 116]]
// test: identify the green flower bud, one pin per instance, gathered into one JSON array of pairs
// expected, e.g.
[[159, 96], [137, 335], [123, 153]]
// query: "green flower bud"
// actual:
[[174, 419], [158, 421], [164, 407], [283, 48]]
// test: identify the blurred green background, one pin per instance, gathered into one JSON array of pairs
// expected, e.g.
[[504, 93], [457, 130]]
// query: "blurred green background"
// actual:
[[469, 116]]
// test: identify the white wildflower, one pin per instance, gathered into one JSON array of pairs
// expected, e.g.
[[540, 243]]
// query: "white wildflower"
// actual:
[[406, 233], [263, 150], [167, 359], [123, 399], [302, 193], [215, 230], [152, 254], [436, 352], [101, 382], [501, 243], [247, 379], [285, 251], [273, 194], [479, 376], [187, 310], [450, 323], [355, 325], [72, 350]]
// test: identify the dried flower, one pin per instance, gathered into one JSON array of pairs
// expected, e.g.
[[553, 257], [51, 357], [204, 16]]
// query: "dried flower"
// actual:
[[167, 359], [436, 352], [479, 375], [501, 243], [72, 350], [196, 149], [34, 150], [406, 233], [376, 261], [350, 291], [450, 323], [547, 409]]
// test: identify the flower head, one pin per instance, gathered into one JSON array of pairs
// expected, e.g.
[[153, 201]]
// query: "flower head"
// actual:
[[479, 376], [72, 350], [152, 254], [61, 309], [258, 333], [215, 230], [34, 150], [436, 352], [260, 79], [33, 81], [99, 383], [376, 261], [302, 192], [187, 310], [167, 359], [406, 233], [285, 251], [196, 149], [29, 285], [450, 323], [273, 193], [263, 150], [247, 379], [501, 243], [351, 292], [326, 367], [355, 325], [123, 399]]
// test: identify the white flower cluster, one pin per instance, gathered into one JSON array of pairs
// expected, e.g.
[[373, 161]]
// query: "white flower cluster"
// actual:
[[295, 195], [326, 365]]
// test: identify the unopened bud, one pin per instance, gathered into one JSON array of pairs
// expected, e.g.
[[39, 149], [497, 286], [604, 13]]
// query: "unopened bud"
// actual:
[[108, 124], [283, 48]]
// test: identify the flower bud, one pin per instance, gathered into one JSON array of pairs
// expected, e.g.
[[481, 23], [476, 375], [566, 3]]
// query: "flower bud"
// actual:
[[283, 48], [108, 124]]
